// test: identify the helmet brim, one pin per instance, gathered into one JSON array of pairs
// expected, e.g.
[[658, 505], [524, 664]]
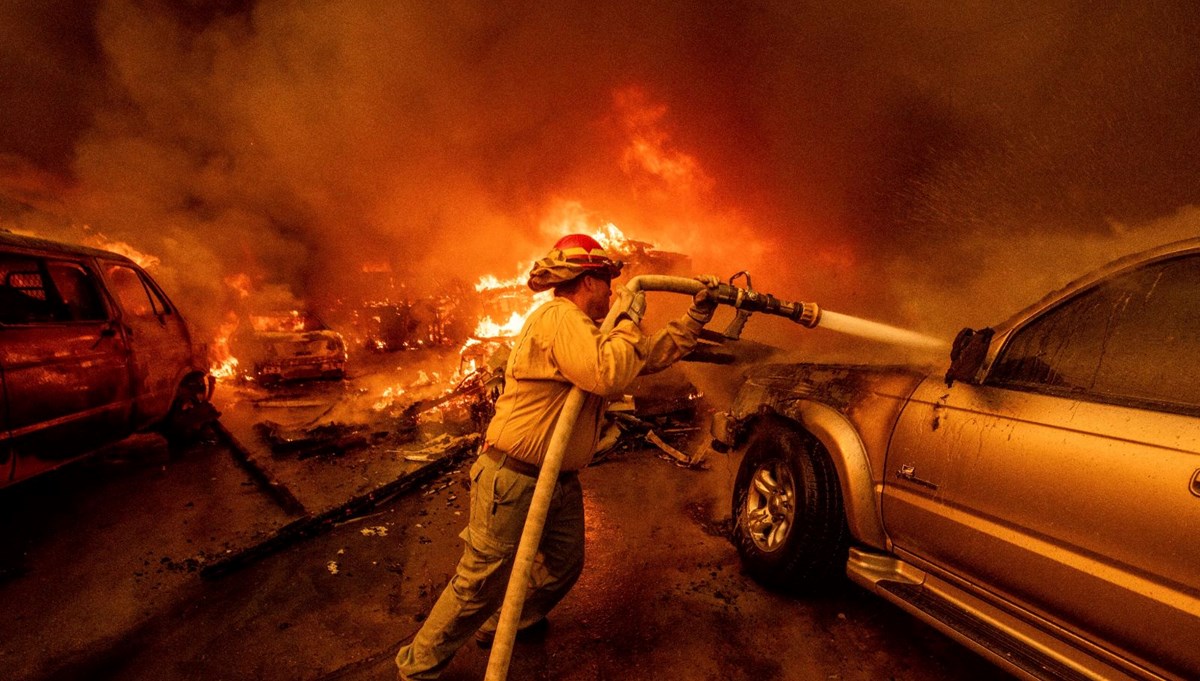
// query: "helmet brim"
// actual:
[[550, 272]]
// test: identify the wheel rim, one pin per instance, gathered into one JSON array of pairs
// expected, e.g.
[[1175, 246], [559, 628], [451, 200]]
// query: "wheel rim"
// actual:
[[770, 506]]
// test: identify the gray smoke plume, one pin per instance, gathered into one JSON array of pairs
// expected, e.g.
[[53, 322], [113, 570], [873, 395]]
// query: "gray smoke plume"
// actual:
[[920, 163]]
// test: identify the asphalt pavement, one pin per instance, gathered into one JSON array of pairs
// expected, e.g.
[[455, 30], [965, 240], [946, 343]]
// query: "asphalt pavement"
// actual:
[[103, 580], [314, 558]]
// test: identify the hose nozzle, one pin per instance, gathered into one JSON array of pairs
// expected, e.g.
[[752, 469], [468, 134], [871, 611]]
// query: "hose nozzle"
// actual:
[[805, 314]]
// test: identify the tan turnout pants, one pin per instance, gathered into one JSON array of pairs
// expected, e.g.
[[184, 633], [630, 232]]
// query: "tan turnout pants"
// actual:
[[471, 601]]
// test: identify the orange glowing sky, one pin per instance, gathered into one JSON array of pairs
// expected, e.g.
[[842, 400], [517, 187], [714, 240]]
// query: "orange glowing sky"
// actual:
[[918, 162]]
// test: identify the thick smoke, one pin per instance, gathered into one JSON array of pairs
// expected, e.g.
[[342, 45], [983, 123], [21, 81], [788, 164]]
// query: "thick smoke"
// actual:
[[929, 164]]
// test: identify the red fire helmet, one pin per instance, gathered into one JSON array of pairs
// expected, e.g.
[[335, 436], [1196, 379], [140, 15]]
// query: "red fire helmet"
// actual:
[[572, 256], [586, 252]]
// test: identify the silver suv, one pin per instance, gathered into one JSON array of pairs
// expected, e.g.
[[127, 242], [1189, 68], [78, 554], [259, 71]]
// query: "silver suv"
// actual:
[[1038, 500]]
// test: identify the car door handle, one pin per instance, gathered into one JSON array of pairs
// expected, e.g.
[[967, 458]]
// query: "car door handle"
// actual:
[[106, 332], [1195, 486], [909, 472]]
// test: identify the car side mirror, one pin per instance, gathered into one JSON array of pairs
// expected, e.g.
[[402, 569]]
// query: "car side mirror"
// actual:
[[967, 355]]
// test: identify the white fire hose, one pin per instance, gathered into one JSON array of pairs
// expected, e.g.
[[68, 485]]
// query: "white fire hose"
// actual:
[[539, 506]]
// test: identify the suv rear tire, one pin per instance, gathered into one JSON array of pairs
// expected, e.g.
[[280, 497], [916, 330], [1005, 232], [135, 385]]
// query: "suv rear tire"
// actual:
[[789, 523]]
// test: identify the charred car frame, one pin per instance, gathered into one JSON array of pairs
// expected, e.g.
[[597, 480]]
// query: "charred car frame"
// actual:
[[287, 346]]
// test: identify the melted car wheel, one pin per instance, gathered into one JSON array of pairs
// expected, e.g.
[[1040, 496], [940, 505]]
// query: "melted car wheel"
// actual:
[[790, 527]]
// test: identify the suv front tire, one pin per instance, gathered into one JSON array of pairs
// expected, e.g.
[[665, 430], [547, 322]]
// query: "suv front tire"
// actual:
[[789, 523]]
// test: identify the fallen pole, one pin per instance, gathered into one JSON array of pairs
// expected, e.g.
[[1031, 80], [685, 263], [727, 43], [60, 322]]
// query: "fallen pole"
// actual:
[[277, 491], [312, 525]]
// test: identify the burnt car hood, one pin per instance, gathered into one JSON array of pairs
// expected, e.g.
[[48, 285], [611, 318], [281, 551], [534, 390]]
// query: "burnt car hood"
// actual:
[[302, 343], [844, 387]]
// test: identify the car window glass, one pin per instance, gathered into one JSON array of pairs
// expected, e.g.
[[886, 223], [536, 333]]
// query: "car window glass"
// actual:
[[26, 295], [131, 291], [156, 297], [78, 291], [1133, 337]]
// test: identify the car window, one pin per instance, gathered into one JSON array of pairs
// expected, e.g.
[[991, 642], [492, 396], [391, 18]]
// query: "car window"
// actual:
[[157, 300], [1134, 337], [138, 297], [78, 291], [26, 294]]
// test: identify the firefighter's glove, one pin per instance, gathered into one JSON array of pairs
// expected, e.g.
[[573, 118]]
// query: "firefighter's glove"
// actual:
[[635, 308], [704, 303]]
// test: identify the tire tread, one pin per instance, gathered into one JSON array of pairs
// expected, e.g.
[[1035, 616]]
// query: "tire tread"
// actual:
[[814, 553]]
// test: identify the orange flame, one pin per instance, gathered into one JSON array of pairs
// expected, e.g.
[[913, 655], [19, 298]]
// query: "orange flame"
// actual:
[[222, 364], [522, 301], [289, 320], [388, 397], [487, 328], [101, 241], [240, 283]]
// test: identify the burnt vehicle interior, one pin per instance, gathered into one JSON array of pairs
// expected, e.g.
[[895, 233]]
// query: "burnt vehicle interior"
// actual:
[[288, 345], [26, 297]]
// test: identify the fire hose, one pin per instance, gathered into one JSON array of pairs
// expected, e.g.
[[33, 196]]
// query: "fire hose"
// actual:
[[745, 300]]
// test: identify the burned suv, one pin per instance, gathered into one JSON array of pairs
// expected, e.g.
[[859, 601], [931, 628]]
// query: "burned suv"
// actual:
[[1039, 501], [91, 350]]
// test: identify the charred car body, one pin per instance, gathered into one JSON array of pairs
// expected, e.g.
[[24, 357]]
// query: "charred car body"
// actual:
[[435, 321], [289, 345], [91, 350], [1038, 502]]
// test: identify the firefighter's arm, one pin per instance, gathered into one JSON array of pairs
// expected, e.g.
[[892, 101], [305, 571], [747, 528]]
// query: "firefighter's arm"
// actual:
[[679, 336], [599, 364]]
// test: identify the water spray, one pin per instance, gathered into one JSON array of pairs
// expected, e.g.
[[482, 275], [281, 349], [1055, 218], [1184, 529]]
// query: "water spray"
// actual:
[[743, 299], [747, 301], [865, 328]]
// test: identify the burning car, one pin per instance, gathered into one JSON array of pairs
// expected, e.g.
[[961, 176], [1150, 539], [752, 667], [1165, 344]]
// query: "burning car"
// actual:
[[1038, 502], [288, 345], [435, 321]]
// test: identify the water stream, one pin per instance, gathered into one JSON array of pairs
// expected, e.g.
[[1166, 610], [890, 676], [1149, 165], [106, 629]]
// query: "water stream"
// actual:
[[864, 328]]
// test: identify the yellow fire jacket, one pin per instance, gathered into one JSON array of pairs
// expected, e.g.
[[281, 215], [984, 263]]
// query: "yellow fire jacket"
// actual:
[[559, 347]]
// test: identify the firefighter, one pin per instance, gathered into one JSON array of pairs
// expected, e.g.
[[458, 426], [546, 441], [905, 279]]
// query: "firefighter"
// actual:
[[559, 347]]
